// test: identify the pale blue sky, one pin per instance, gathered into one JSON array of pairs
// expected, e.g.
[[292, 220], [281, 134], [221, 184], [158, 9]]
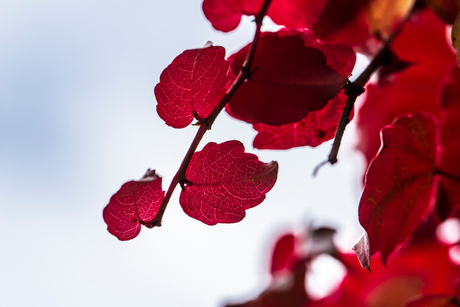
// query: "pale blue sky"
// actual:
[[78, 119]]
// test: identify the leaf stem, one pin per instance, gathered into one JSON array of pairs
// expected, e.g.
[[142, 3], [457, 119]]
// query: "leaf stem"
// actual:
[[355, 89], [207, 123]]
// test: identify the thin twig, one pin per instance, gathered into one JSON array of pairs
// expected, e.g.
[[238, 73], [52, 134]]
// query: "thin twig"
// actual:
[[206, 124], [355, 89]]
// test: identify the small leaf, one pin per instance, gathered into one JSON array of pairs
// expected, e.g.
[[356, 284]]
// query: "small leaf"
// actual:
[[290, 80], [223, 181], [283, 254], [363, 251], [191, 86], [400, 183], [135, 203], [384, 15]]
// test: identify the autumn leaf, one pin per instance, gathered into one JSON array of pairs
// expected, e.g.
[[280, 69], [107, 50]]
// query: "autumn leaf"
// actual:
[[345, 22], [400, 182], [283, 256], [223, 181], [225, 15], [290, 80], [191, 86], [385, 15], [135, 203]]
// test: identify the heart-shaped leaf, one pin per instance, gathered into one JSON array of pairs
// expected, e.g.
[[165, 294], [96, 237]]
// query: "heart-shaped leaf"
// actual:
[[224, 181], [191, 86], [136, 202]]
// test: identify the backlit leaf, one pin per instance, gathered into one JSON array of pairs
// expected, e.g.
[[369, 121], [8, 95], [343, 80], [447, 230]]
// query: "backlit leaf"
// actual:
[[224, 181], [191, 86], [137, 201], [290, 80], [400, 183]]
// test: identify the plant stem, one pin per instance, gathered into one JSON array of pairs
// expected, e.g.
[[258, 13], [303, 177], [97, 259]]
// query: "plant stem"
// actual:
[[207, 123], [355, 89]]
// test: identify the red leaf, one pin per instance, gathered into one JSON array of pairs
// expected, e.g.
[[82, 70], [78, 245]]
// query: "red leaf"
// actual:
[[225, 15], [224, 181], [290, 80], [136, 202], [283, 254], [344, 21], [400, 183], [422, 42], [449, 189], [318, 126], [191, 86]]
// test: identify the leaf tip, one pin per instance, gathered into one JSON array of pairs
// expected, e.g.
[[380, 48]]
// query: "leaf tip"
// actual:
[[362, 251]]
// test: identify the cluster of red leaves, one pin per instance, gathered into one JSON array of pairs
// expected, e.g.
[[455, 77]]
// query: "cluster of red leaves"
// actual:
[[416, 170], [422, 275], [294, 96]]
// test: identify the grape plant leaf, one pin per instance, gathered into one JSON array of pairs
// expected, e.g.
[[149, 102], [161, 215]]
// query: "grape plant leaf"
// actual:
[[191, 86], [222, 181], [136, 202], [400, 183], [290, 81], [283, 256]]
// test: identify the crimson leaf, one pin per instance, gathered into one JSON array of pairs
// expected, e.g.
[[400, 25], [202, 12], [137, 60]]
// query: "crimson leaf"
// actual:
[[223, 181], [290, 81], [136, 202], [191, 86], [400, 182]]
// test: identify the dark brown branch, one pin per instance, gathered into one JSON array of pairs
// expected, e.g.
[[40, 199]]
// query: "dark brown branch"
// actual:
[[206, 124], [355, 89]]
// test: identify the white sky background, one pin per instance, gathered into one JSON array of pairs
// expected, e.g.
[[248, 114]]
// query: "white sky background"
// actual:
[[78, 119]]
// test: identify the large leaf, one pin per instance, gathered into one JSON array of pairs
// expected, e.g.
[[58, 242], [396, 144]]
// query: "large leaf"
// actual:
[[400, 184], [137, 201], [191, 86], [290, 80], [223, 181]]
